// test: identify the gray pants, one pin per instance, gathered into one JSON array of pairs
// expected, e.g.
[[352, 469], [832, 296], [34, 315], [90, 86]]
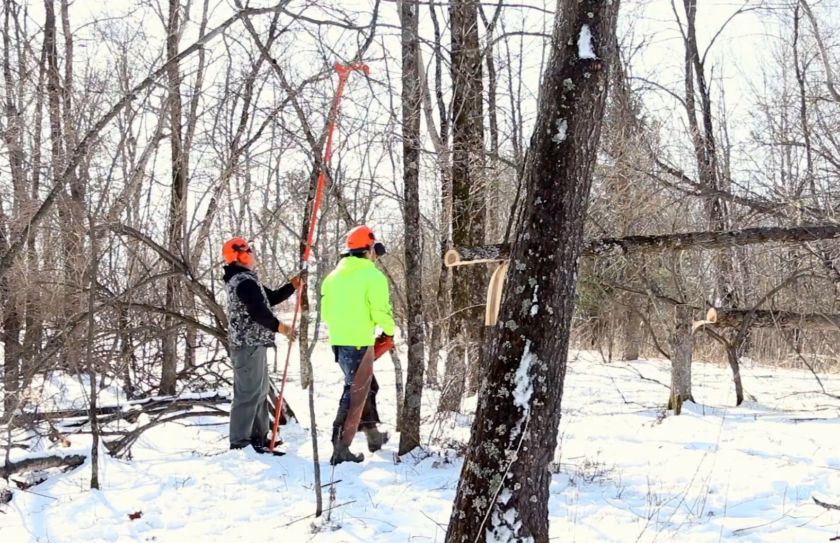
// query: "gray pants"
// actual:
[[249, 414]]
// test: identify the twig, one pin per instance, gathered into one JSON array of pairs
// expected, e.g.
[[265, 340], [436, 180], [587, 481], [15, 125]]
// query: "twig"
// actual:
[[826, 505], [313, 514]]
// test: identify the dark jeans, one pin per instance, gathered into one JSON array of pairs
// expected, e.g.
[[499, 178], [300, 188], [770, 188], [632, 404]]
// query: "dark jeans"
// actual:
[[249, 416], [349, 359]]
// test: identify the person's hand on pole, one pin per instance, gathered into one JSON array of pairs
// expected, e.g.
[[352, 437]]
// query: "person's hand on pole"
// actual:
[[287, 331], [299, 280]]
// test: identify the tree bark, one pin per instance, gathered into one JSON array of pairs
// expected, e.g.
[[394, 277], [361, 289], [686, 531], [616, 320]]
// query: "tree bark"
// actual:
[[47, 462], [503, 491], [606, 247], [90, 362], [177, 199], [682, 347], [468, 190], [411, 103], [439, 341], [632, 335]]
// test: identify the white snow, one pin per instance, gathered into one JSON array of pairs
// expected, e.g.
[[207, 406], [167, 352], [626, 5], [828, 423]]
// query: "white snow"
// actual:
[[524, 387], [535, 302], [585, 46], [560, 135], [505, 527], [624, 470]]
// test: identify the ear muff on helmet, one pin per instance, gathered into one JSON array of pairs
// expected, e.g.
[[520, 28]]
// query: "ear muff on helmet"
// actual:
[[360, 238], [379, 248], [238, 250]]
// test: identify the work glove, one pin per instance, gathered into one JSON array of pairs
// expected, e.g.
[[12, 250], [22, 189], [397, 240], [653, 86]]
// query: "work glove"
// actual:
[[299, 280], [383, 344], [287, 331]]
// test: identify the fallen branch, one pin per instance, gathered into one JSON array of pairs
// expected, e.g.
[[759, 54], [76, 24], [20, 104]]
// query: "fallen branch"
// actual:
[[459, 256], [826, 505], [128, 411], [34, 464]]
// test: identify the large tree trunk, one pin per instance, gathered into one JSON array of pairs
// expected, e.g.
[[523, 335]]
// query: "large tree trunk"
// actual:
[[468, 190], [503, 491], [177, 200], [410, 420]]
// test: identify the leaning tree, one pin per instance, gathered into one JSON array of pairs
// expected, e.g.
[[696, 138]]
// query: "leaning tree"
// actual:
[[503, 491]]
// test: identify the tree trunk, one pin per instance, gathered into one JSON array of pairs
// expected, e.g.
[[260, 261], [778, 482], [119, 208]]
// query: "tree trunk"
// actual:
[[503, 491], [468, 183], [410, 421], [90, 362], [177, 200], [632, 335], [733, 358], [682, 347], [439, 341], [11, 350]]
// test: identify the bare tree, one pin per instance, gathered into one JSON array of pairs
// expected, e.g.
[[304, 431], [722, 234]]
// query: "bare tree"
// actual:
[[468, 215], [504, 483], [411, 104]]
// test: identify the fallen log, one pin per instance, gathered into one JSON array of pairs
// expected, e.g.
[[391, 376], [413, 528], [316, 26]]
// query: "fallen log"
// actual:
[[768, 318], [134, 408], [46, 462], [460, 255]]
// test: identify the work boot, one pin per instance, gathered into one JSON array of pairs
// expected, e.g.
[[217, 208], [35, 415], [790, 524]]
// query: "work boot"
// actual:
[[341, 453], [375, 438]]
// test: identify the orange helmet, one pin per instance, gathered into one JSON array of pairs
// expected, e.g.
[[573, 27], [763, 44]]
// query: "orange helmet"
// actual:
[[360, 238], [238, 250]]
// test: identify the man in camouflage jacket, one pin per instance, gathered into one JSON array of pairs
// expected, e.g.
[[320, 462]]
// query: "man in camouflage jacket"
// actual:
[[251, 329]]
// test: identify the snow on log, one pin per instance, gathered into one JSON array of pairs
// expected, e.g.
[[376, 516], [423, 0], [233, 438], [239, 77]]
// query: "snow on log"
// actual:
[[46, 462]]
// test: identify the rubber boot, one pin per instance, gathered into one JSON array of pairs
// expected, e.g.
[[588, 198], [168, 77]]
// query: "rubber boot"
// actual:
[[341, 453], [375, 438]]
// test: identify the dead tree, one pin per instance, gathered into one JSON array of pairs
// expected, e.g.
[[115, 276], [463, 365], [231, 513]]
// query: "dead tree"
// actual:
[[503, 490]]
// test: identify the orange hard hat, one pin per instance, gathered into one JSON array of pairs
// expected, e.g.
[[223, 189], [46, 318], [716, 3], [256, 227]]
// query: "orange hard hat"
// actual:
[[238, 250], [360, 238]]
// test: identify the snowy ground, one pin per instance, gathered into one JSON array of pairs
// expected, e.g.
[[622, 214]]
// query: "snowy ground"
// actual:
[[624, 470]]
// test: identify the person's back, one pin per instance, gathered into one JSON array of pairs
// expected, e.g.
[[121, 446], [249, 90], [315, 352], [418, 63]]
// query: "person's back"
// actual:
[[355, 300]]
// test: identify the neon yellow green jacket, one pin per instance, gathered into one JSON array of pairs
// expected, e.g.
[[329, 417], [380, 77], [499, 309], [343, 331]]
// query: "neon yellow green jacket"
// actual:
[[354, 300]]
